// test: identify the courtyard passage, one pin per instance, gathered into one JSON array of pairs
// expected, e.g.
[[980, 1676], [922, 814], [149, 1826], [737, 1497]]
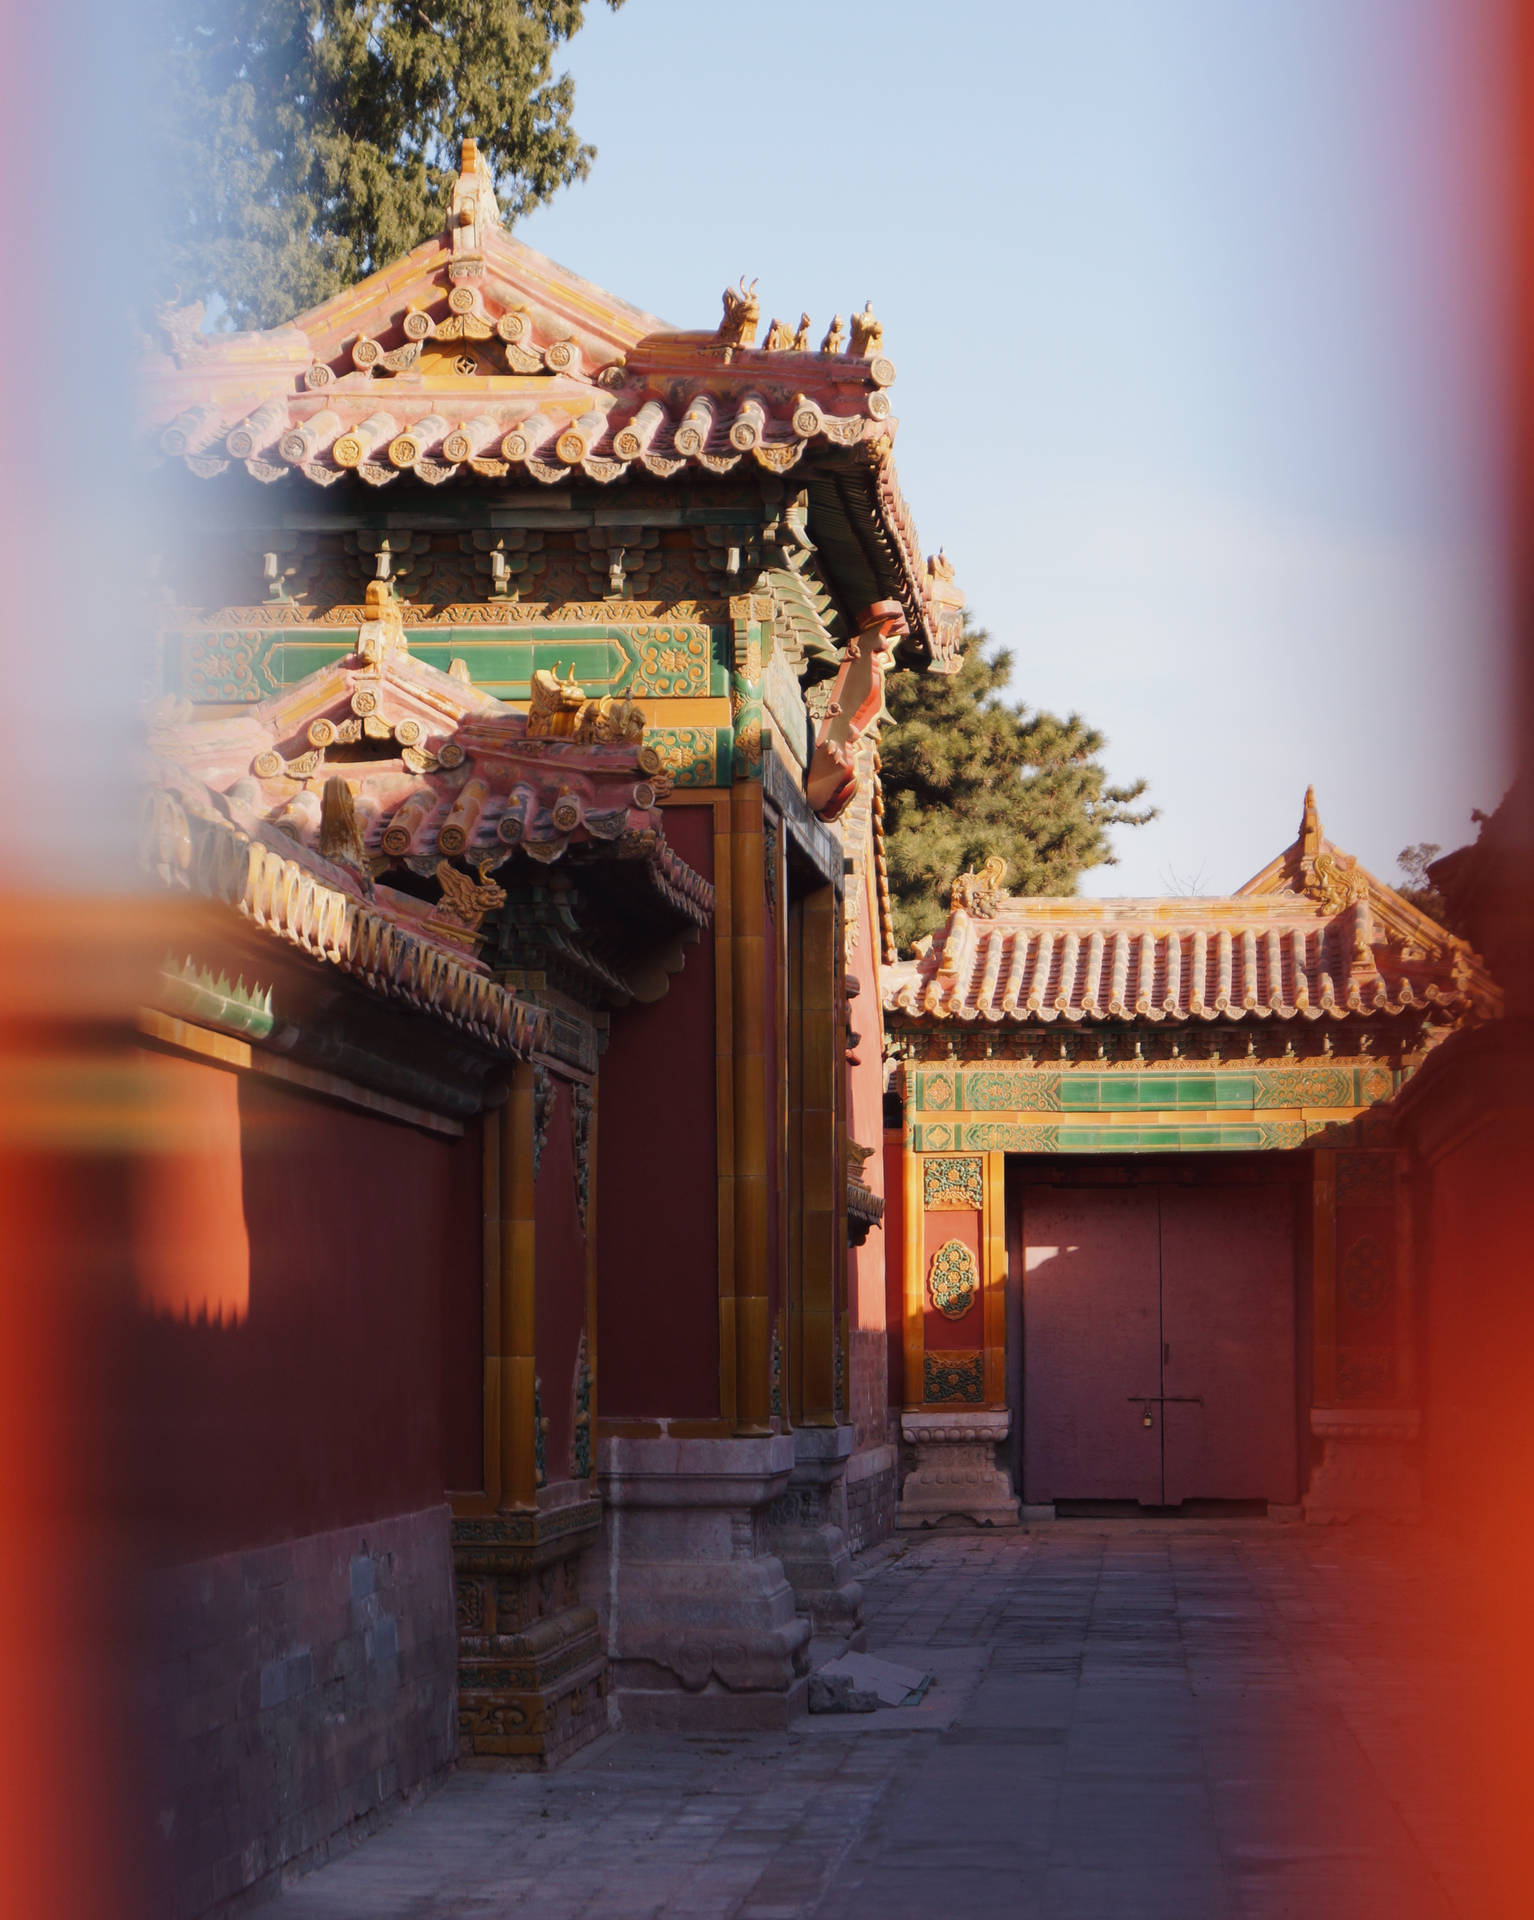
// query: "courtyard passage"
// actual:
[[1131, 1719]]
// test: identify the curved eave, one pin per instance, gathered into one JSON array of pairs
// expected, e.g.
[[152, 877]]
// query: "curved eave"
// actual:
[[315, 908]]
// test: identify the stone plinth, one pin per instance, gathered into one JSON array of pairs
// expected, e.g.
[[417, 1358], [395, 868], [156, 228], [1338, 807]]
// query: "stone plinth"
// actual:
[[1368, 1464], [956, 1478], [807, 1529], [532, 1673], [700, 1621]]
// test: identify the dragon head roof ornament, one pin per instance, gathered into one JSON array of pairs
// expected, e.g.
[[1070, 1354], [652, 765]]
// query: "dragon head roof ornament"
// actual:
[[979, 893]]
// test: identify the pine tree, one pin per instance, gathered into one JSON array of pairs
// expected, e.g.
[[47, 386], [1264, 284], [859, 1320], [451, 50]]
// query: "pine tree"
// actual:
[[967, 774], [302, 143], [1417, 884]]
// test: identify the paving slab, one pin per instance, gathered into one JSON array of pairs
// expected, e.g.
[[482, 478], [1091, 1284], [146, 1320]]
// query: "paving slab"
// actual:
[[1207, 1721]]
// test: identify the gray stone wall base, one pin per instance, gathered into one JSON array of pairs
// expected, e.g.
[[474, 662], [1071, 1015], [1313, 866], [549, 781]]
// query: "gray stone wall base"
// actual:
[[806, 1526], [873, 1489], [307, 1690], [700, 1622]]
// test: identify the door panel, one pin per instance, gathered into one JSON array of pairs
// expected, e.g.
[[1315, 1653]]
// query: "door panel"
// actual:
[[1227, 1309], [1091, 1339]]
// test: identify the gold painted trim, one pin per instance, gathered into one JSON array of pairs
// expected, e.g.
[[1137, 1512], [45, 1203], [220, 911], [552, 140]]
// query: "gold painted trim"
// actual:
[[994, 1294], [915, 1341]]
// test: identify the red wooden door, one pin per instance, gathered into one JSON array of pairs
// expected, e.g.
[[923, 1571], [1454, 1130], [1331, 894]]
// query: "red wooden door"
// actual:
[[1172, 1303], [1091, 1340], [1227, 1316]]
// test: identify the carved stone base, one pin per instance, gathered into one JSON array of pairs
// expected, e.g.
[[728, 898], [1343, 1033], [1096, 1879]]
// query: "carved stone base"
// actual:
[[699, 1620], [532, 1672], [806, 1526], [1368, 1464], [956, 1478]]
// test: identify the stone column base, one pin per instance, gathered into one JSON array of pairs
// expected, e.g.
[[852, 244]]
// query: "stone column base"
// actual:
[[1368, 1464], [532, 1673], [700, 1622], [806, 1526], [956, 1478]]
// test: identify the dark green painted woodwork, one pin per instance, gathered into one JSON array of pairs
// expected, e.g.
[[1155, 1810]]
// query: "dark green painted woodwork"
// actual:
[[1010, 1136], [654, 660], [955, 1089]]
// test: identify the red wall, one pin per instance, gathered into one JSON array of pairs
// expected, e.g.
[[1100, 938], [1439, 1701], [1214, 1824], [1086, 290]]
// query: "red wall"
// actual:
[[657, 1196], [940, 1334], [1478, 1286], [312, 1395]]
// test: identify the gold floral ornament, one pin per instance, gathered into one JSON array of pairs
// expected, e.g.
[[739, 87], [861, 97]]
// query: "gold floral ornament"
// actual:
[[953, 1183], [954, 1280]]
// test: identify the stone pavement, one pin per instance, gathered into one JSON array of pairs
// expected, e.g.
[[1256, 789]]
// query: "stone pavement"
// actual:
[[1136, 1719]]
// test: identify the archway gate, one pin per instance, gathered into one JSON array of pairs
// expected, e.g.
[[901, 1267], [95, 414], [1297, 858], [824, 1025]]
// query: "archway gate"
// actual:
[[1196, 1282]]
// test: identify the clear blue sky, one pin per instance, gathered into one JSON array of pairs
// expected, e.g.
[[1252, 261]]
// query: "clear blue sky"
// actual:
[[1190, 305]]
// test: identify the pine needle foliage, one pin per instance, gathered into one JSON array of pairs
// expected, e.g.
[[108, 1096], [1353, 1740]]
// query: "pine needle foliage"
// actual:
[[968, 774], [1416, 883], [301, 144]]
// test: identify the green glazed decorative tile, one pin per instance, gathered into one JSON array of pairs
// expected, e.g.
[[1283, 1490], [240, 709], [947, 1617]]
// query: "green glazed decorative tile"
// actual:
[[953, 1183], [954, 1376], [678, 660]]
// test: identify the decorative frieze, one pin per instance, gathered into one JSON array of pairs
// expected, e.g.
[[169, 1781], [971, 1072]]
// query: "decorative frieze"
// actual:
[[694, 756], [953, 1377], [532, 1676], [1365, 1179], [582, 1453], [953, 1089], [252, 657], [956, 1183], [543, 1113], [1006, 1136], [580, 1147]]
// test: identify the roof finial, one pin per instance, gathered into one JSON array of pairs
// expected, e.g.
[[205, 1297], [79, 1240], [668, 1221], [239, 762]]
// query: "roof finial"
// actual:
[[383, 624], [1310, 827], [475, 206]]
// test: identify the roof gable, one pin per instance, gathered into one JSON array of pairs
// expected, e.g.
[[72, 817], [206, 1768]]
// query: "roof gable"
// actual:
[[475, 356], [1315, 869], [474, 330], [435, 772], [1311, 936]]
